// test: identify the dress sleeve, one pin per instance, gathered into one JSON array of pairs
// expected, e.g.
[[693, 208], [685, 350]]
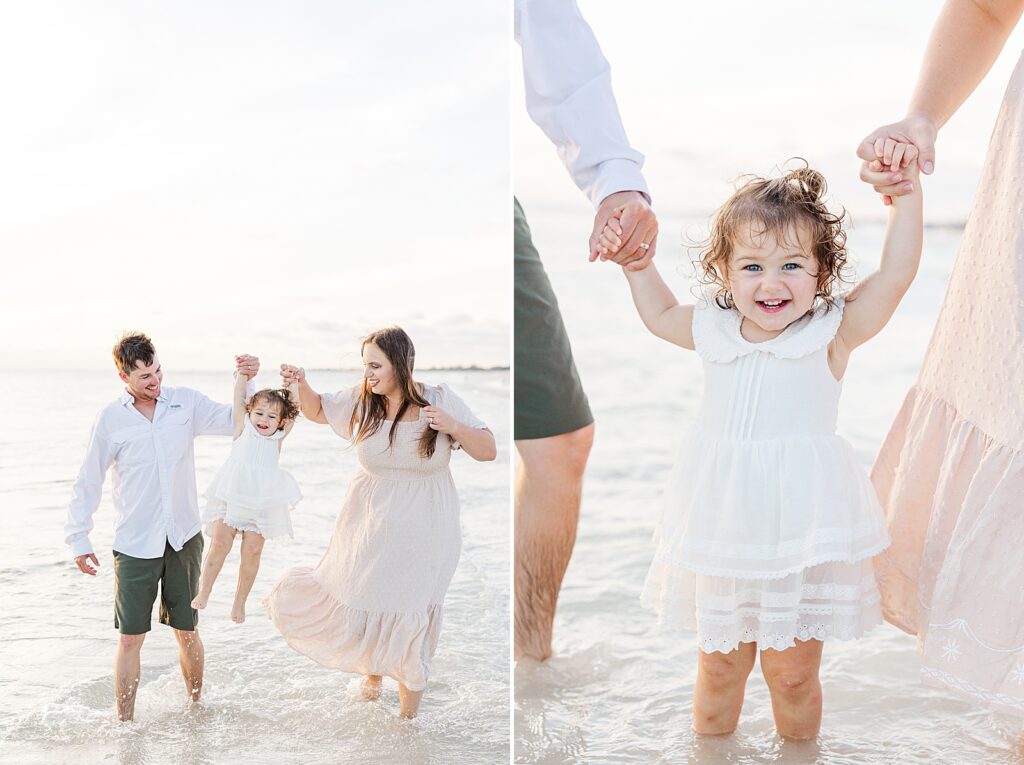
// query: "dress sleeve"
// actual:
[[457, 408], [338, 408]]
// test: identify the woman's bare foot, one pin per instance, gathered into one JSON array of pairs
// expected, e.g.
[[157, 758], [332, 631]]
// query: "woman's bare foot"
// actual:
[[371, 687], [200, 601], [408, 702], [238, 612]]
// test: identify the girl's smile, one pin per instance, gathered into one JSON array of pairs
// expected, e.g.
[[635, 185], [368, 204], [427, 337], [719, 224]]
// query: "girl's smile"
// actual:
[[265, 419], [772, 306], [773, 283]]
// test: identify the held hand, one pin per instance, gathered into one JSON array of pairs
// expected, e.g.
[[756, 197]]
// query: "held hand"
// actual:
[[438, 419], [919, 131], [247, 365], [891, 180], [633, 222], [82, 561], [292, 374]]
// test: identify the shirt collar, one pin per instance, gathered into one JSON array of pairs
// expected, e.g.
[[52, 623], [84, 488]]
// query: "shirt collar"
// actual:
[[127, 399]]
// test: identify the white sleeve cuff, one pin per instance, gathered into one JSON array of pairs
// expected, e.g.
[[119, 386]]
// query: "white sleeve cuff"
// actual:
[[617, 175]]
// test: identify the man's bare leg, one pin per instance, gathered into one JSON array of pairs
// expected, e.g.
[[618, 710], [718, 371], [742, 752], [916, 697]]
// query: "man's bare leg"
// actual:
[[220, 545], [252, 549], [549, 483], [191, 657], [127, 671], [408, 702]]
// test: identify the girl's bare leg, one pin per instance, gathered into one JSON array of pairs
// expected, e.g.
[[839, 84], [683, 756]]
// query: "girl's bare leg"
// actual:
[[721, 681], [220, 545], [408, 702], [792, 677], [371, 687], [252, 548]]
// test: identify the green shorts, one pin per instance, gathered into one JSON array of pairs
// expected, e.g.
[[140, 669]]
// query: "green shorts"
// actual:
[[549, 398], [135, 588]]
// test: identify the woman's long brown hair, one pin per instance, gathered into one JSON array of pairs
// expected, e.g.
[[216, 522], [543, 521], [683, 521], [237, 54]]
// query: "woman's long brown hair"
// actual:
[[372, 408]]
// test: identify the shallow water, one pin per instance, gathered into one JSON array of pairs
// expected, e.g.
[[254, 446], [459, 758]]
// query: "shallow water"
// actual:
[[619, 690], [262, 702]]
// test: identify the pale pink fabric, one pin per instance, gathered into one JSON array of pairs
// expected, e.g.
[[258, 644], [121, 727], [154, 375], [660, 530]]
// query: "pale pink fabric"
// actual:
[[951, 471], [373, 604]]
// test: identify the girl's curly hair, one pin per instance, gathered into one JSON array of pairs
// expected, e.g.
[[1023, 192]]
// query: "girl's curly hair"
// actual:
[[280, 399], [782, 207]]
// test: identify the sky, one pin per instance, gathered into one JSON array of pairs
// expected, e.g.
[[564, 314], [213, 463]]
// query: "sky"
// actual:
[[273, 178], [709, 91]]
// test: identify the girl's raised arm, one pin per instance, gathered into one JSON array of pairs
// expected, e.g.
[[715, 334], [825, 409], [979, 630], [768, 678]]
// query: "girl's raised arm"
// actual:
[[873, 301], [658, 308], [238, 403]]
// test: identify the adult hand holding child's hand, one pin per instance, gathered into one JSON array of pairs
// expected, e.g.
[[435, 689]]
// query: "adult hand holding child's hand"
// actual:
[[247, 365], [292, 374], [633, 225], [885, 160]]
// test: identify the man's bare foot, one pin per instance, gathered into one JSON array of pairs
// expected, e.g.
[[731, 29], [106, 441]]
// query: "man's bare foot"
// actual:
[[200, 601], [238, 613], [371, 687]]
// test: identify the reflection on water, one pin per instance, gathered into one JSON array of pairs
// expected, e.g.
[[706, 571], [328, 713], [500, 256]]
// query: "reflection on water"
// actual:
[[262, 703], [618, 689]]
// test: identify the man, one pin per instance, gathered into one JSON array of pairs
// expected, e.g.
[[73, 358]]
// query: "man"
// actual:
[[569, 95], [147, 436]]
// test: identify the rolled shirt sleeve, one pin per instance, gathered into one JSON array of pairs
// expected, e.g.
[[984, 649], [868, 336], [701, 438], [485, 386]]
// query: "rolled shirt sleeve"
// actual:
[[569, 96], [87, 491]]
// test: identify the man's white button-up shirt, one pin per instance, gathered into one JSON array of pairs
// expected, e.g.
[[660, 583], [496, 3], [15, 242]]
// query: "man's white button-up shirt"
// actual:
[[154, 476], [569, 95]]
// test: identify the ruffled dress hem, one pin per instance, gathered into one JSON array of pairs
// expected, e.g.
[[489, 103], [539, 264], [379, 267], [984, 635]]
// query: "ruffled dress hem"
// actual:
[[955, 522], [314, 623], [831, 600]]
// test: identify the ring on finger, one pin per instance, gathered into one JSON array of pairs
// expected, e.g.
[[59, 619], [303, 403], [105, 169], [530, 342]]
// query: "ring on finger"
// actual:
[[644, 246]]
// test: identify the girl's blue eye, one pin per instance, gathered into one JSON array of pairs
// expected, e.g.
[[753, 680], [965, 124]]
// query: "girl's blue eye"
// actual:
[[790, 266], [752, 267]]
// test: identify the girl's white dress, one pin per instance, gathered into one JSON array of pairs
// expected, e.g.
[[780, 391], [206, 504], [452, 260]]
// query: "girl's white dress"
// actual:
[[251, 492], [769, 522], [373, 604]]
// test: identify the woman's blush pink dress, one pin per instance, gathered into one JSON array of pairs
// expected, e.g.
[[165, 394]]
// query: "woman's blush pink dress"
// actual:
[[373, 604], [951, 471]]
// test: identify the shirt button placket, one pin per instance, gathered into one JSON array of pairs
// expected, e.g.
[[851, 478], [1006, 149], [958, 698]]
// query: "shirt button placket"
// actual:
[[165, 484]]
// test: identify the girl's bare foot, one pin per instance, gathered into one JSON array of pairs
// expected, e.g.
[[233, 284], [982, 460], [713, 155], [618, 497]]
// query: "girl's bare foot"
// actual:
[[238, 612], [200, 601], [371, 687]]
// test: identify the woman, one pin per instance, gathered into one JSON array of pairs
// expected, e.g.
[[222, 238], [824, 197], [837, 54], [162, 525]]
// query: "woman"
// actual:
[[373, 603], [951, 471]]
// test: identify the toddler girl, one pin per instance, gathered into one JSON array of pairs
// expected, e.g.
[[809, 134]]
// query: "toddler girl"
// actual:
[[769, 523], [250, 493]]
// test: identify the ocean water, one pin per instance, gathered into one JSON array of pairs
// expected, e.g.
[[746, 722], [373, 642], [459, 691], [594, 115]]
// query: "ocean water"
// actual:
[[619, 689], [262, 702]]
